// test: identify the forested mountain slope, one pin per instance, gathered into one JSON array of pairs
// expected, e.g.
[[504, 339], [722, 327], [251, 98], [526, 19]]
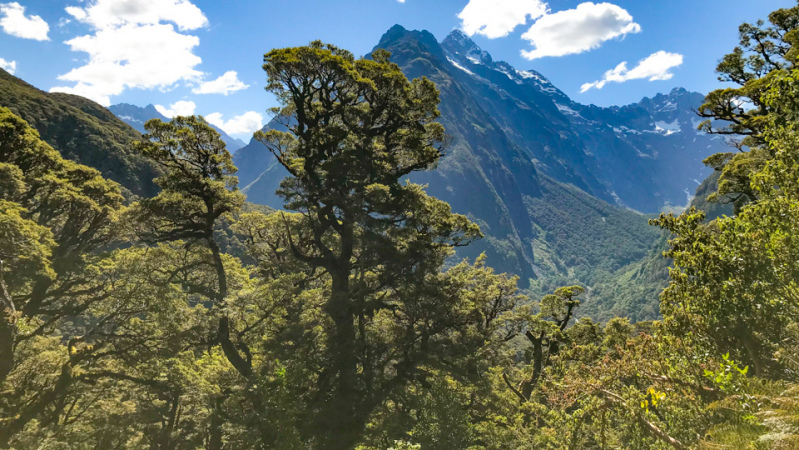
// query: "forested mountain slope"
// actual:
[[83, 131]]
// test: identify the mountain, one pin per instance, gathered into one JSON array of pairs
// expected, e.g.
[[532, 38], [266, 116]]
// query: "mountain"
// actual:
[[634, 156], [137, 116], [83, 131], [557, 187]]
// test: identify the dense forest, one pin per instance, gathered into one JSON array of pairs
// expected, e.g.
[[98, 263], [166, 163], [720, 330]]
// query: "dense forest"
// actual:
[[190, 318]]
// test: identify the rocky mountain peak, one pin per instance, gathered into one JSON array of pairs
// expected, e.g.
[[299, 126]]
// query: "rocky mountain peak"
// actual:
[[399, 38], [679, 102], [459, 44]]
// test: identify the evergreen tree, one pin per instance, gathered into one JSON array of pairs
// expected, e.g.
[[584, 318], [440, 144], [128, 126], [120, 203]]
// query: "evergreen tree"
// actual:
[[356, 129], [766, 52], [198, 190], [58, 219]]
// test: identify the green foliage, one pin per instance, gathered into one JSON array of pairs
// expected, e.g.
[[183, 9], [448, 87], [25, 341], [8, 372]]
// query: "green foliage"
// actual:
[[766, 53], [81, 131], [729, 377], [355, 130], [198, 185], [133, 327], [733, 288]]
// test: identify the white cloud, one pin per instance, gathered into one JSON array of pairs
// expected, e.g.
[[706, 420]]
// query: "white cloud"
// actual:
[[131, 56], [497, 18], [14, 22], [135, 45], [225, 84], [656, 66], [245, 124], [179, 108], [90, 91], [114, 13], [578, 30], [8, 66]]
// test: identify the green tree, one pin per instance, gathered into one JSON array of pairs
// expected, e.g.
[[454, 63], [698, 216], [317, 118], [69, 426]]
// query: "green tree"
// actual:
[[198, 197], [58, 218], [766, 52], [198, 190], [356, 129], [734, 285], [545, 332]]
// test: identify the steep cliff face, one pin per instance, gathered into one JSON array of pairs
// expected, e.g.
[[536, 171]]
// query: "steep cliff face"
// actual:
[[634, 156]]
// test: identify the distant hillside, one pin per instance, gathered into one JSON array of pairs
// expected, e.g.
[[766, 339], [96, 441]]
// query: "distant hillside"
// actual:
[[627, 292], [136, 116], [83, 131]]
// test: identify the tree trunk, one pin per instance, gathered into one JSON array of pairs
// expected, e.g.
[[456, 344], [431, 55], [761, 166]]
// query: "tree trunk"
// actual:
[[538, 364], [242, 365], [754, 355], [8, 329], [31, 412], [215, 441], [166, 434], [7, 336], [41, 286], [342, 420]]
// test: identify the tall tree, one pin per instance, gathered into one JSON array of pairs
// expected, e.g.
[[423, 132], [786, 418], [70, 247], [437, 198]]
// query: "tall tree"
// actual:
[[198, 191], [57, 219], [356, 129], [735, 282], [545, 333]]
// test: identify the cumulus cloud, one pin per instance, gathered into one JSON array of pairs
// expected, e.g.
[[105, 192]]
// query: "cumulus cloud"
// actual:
[[656, 66], [578, 30], [14, 22], [244, 124], [179, 108], [103, 14], [225, 84], [8, 66], [135, 45], [497, 18]]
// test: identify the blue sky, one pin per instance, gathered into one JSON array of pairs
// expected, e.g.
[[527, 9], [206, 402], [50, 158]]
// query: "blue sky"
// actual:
[[204, 56]]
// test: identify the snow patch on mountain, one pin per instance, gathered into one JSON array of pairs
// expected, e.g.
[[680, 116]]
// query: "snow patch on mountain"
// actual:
[[667, 128], [499, 68], [455, 63], [130, 119], [668, 107], [567, 110]]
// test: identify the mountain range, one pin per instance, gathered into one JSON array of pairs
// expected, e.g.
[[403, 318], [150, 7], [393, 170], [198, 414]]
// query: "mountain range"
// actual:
[[137, 116], [562, 191]]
